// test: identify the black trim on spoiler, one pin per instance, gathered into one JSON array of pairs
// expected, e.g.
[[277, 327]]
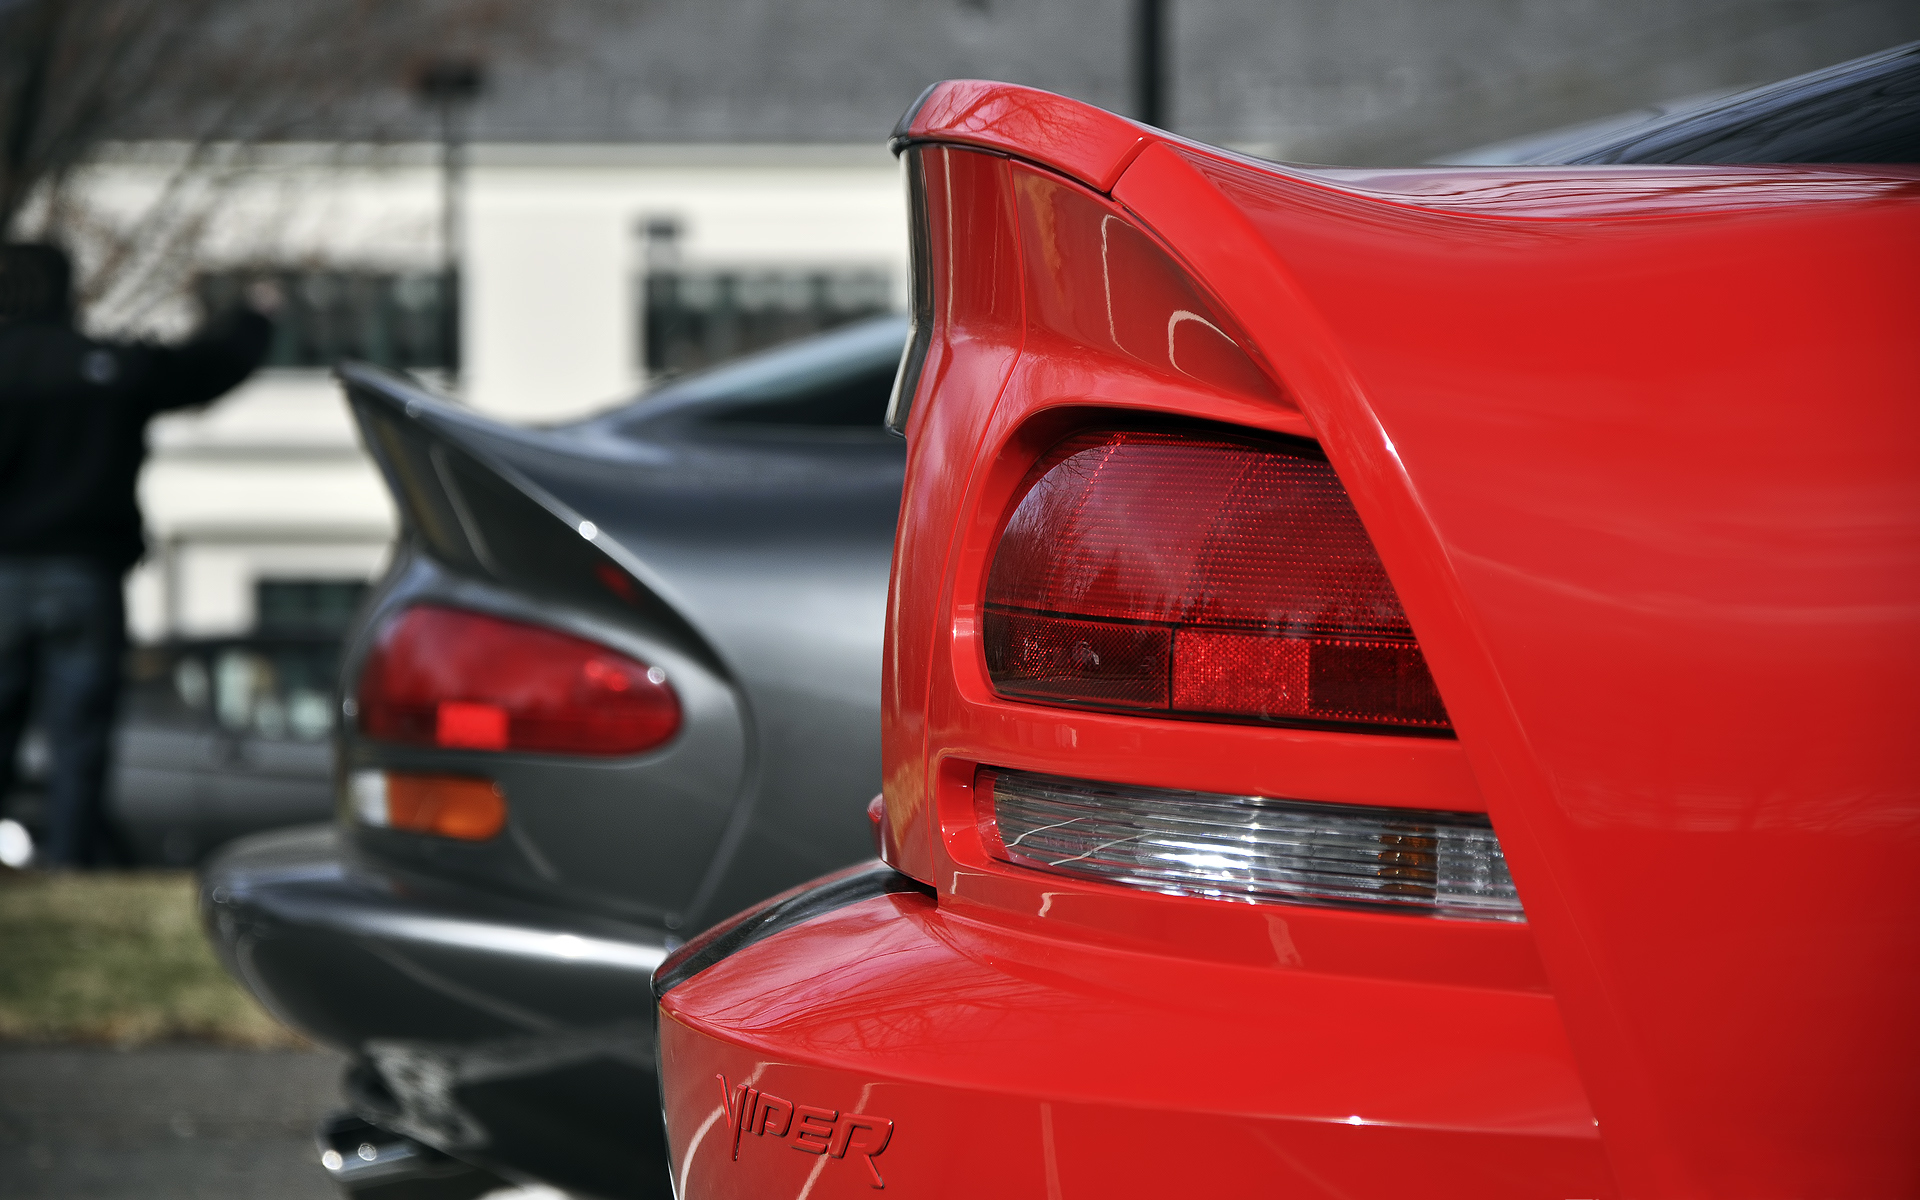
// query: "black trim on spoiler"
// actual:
[[903, 128], [906, 381], [777, 915]]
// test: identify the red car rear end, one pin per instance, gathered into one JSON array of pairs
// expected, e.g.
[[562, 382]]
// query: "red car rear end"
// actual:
[[1398, 683]]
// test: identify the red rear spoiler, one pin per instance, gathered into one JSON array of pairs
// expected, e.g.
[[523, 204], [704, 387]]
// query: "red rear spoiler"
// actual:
[[1084, 143]]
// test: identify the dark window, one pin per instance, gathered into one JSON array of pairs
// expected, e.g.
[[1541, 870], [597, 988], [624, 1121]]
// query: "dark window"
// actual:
[[390, 319], [696, 318], [306, 606]]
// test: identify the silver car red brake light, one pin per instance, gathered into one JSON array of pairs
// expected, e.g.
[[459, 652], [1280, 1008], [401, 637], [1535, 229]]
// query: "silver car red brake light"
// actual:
[[448, 677]]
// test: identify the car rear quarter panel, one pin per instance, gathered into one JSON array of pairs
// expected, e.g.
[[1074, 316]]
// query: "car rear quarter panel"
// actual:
[[754, 563], [1636, 448], [1028, 342], [630, 836]]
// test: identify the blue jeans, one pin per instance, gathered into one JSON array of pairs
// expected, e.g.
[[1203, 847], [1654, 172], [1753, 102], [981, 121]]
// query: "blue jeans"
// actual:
[[62, 638]]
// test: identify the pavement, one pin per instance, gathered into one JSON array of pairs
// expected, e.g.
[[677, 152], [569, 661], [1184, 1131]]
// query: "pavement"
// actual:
[[168, 1123]]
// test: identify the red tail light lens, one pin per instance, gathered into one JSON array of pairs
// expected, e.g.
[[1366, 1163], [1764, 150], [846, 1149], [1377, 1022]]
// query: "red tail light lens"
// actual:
[[446, 677], [1200, 574]]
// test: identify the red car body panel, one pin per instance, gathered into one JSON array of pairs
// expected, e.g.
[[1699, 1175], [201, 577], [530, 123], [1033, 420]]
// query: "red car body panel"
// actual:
[[1635, 445], [1004, 1059], [1079, 141]]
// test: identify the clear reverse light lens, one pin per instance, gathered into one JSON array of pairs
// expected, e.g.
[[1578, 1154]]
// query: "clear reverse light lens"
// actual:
[[1249, 848]]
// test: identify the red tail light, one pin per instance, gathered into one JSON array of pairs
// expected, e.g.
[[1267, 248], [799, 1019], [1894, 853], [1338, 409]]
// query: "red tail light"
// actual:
[[444, 677], [1204, 574]]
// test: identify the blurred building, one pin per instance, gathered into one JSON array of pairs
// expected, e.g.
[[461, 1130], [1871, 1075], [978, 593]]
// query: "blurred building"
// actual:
[[586, 272], [653, 187]]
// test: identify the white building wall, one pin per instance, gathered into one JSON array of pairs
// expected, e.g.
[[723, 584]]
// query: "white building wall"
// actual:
[[272, 482], [554, 251], [548, 321]]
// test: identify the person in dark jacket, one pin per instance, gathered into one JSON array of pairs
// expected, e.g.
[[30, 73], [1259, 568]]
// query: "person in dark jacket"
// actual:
[[73, 435]]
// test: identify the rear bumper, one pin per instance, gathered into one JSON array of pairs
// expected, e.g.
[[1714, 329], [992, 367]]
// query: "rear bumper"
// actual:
[[512, 1035], [928, 1048]]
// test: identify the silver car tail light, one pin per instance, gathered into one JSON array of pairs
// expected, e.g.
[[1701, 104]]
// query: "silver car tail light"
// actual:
[[1248, 848]]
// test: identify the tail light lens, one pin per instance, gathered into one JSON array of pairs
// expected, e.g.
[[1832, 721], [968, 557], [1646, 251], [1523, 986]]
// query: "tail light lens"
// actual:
[[1201, 574], [453, 806], [1248, 847], [447, 677]]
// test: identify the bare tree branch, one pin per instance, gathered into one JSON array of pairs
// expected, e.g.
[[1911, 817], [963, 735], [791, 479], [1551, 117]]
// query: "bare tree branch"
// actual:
[[211, 77]]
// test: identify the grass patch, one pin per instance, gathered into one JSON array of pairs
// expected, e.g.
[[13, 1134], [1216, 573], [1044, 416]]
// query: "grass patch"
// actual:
[[117, 958]]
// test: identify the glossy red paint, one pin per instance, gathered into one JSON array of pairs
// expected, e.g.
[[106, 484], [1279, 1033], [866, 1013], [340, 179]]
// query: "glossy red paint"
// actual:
[[1635, 446], [1078, 140], [1014, 1064]]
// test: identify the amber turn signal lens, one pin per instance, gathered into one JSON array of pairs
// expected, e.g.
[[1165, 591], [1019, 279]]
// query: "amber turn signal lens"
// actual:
[[451, 806]]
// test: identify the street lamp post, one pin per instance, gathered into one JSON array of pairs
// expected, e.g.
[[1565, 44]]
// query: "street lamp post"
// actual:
[[451, 86], [1150, 62]]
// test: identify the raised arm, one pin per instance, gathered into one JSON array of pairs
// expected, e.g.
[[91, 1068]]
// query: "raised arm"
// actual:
[[215, 361]]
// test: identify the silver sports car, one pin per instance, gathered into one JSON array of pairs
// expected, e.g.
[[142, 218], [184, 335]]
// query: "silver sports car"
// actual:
[[621, 680]]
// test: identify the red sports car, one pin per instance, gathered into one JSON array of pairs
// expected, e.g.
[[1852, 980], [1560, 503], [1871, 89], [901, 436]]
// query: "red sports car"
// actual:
[[1398, 683]]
